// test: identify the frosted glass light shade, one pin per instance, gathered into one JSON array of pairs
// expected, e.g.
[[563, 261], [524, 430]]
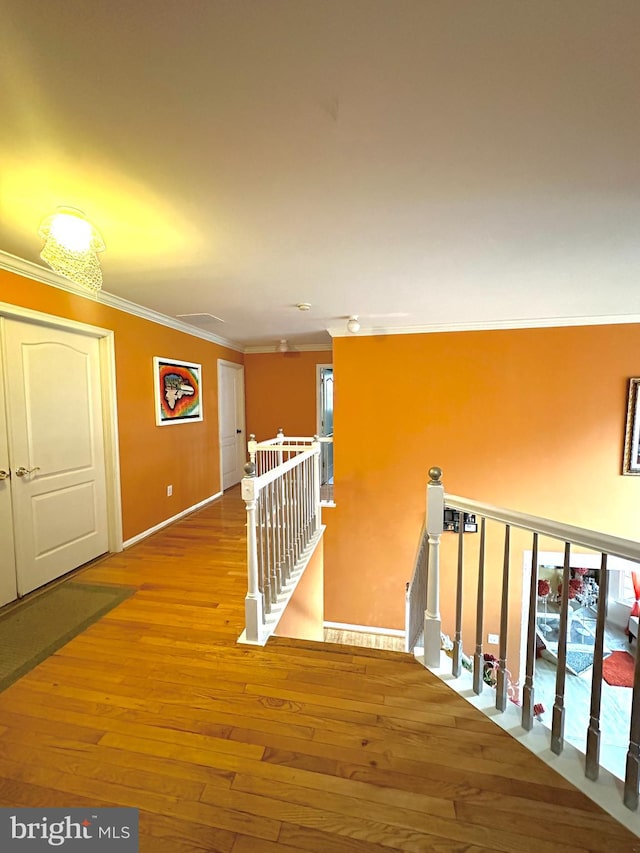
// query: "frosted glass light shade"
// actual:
[[71, 247]]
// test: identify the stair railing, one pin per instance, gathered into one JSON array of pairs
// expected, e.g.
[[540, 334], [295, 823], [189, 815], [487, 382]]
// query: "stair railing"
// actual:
[[281, 490], [614, 552]]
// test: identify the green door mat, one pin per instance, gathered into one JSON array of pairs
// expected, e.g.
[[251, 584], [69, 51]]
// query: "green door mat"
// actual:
[[36, 629]]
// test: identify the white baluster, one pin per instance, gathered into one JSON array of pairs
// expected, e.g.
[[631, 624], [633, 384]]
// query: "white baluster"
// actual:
[[456, 668], [528, 692], [300, 503], [558, 713], [478, 658], [502, 686], [316, 484], [282, 548], [289, 520], [592, 763]]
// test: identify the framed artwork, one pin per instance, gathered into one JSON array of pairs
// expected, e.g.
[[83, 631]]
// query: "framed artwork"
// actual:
[[631, 462], [177, 386]]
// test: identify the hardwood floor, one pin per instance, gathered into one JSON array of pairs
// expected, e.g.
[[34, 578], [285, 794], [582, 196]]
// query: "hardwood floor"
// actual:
[[294, 747]]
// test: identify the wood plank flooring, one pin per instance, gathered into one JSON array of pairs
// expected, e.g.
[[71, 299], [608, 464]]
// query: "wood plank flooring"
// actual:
[[294, 747]]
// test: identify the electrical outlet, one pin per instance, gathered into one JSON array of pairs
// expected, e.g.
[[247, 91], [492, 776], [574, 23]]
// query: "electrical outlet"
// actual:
[[169, 491], [493, 639]]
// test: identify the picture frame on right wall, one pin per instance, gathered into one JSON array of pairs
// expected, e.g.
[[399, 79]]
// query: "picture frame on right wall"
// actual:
[[631, 459]]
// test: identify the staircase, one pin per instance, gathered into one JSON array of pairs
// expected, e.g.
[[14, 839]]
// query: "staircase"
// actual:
[[499, 683]]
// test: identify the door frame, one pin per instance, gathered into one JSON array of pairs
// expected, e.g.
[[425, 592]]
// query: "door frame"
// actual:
[[223, 362], [106, 344], [7, 538], [319, 369]]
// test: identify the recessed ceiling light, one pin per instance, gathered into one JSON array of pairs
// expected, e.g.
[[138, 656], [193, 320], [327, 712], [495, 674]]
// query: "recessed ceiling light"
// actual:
[[303, 306]]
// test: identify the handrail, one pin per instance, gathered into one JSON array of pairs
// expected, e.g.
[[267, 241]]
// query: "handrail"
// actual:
[[280, 439], [616, 546], [281, 490]]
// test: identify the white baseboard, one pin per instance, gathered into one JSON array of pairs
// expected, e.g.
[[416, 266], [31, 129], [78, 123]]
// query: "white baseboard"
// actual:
[[140, 536], [365, 629]]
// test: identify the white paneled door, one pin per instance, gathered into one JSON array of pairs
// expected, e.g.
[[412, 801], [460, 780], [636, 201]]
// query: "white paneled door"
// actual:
[[55, 442], [231, 416]]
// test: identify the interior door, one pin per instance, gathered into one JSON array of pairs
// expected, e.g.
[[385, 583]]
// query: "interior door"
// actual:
[[231, 418], [54, 426], [8, 585]]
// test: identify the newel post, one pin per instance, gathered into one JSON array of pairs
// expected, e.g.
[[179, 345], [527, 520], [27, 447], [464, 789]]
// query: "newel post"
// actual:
[[253, 603], [435, 523]]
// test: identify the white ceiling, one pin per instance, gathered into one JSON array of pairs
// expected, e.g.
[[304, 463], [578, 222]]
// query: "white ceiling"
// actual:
[[430, 162]]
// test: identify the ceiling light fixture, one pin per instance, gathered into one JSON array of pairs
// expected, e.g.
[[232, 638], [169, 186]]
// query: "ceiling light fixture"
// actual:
[[303, 306], [71, 247], [283, 346], [353, 324]]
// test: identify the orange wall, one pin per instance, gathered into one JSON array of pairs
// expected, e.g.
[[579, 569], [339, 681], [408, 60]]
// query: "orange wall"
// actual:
[[280, 391], [530, 419], [303, 618], [151, 457]]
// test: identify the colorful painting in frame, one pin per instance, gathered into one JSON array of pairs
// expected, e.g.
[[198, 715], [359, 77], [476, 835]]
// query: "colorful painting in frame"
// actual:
[[178, 391]]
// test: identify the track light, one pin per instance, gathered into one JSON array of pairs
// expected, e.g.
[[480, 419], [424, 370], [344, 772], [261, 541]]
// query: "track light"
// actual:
[[353, 324]]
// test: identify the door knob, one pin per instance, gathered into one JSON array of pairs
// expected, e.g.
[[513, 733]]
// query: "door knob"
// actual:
[[22, 472], [238, 432], [4, 475]]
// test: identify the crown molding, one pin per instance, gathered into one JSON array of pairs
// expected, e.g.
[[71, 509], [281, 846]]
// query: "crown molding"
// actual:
[[273, 348], [121, 304], [36, 272], [491, 325], [29, 269]]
